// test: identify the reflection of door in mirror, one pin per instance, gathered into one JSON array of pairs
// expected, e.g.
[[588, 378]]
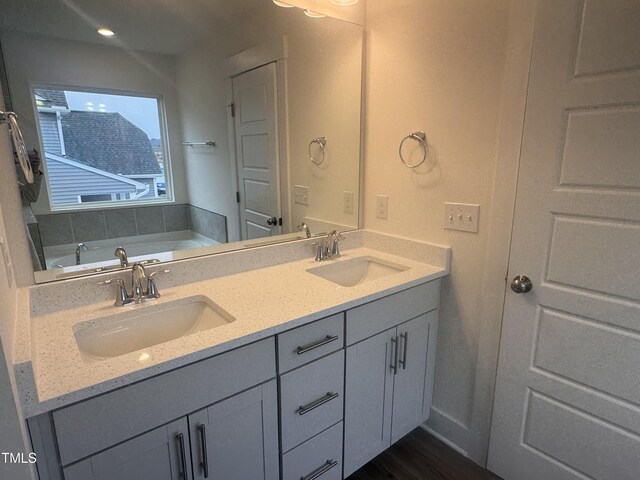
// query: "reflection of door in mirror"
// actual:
[[255, 120]]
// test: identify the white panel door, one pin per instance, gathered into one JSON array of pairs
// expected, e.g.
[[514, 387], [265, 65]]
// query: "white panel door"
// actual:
[[567, 400], [256, 128]]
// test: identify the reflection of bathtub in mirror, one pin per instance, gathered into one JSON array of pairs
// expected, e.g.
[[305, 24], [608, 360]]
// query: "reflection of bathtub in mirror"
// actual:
[[61, 259], [160, 247]]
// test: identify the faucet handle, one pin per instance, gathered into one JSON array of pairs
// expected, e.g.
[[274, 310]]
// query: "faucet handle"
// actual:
[[122, 297], [152, 290]]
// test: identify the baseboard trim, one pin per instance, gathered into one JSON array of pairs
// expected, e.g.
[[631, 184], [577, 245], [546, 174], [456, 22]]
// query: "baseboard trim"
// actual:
[[448, 430]]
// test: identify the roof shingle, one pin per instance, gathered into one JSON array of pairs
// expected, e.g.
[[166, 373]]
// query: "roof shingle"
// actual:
[[108, 141]]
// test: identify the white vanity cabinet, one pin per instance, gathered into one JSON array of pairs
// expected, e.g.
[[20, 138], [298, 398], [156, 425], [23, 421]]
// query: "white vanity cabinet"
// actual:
[[388, 376], [313, 402], [154, 429], [311, 367], [161, 454]]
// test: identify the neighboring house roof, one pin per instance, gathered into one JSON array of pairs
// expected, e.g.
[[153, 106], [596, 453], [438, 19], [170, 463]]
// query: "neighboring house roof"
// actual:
[[109, 142], [52, 98], [102, 173]]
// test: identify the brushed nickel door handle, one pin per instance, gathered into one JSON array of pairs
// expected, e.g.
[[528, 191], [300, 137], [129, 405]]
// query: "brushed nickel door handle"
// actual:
[[521, 284]]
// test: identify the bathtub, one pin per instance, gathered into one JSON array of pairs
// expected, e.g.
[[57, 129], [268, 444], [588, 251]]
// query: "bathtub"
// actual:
[[100, 254]]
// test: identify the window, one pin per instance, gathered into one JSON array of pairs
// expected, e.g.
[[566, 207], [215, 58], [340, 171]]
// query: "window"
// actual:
[[102, 149]]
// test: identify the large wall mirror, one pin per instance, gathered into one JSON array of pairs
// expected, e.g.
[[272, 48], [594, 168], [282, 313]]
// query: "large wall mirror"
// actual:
[[177, 129]]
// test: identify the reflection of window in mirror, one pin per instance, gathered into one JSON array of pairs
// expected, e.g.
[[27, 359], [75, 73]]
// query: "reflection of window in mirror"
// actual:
[[103, 149]]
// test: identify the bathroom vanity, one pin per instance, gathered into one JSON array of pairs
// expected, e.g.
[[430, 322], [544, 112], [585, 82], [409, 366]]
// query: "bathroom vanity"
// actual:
[[314, 369]]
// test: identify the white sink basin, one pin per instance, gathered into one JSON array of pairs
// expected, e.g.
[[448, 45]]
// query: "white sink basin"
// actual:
[[144, 326], [356, 271]]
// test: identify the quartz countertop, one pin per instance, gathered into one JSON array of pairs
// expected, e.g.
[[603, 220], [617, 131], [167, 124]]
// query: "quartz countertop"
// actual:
[[51, 372]]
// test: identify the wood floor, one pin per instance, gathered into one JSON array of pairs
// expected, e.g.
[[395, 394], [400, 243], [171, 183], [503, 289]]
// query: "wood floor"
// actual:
[[420, 456]]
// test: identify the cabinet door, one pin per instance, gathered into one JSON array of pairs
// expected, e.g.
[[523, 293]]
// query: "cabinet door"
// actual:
[[161, 454], [368, 399], [412, 381], [237, 438]]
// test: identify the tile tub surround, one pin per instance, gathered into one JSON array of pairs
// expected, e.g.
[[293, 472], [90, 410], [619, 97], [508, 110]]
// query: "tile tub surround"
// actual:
[[266, 289], [87, 226]]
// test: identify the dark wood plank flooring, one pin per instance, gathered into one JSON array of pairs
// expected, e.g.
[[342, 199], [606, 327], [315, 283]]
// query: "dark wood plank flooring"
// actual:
[[420, 456]]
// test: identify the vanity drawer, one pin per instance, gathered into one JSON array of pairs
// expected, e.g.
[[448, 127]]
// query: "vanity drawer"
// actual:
[[311, 399], [101, 422], [322, 453], [375, 317], [310, 342]]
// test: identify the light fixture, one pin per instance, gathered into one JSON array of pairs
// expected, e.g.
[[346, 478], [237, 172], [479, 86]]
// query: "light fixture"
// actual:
[[312, 14], [282, 4], [106, 32], [344, 3]]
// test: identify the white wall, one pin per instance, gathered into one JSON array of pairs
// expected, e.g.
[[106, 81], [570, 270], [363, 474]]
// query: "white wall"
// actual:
[[35, 59], [202, 93], [438, 67]]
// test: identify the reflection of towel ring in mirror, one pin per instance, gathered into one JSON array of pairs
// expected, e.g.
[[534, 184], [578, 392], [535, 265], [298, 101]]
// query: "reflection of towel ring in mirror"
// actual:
[[419, 137], [321, 141], [18, 143]]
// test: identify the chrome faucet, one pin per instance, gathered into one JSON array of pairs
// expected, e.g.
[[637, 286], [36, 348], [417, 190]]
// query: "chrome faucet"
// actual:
[[121, 253], [143, 286], [80, 247], [329, 247], [138, 278], [305, 227]]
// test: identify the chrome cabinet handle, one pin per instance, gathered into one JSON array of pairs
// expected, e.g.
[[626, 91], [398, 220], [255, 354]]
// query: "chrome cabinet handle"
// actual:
[[394, 365], [329, 464], [183, 456], [313, 346], [404, 336], [521, 284], [304, 409], [203, 444]]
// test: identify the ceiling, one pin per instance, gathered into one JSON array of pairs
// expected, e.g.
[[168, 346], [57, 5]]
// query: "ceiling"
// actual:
[[162, 26]]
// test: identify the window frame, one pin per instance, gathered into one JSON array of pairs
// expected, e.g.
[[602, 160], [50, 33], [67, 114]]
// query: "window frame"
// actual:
[[108, 204]]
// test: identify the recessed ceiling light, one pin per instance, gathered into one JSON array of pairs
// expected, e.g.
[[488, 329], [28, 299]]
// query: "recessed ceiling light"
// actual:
[[312, 14], [344, 3], [106, 32], [282, 4]]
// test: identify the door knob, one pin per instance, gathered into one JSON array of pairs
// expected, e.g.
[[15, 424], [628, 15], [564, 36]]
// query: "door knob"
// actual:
[[272, 221], [521, 284]]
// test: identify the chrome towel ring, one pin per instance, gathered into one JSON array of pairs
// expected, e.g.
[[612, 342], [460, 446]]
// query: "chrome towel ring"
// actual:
[[18, 143], [419, 137], [321, 141]]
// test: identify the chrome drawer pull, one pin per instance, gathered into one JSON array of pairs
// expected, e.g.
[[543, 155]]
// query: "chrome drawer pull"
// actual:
[[315, 404], [403, 362], [313, 346], [320, 471], [203, 443], [396, 349], [183, 456]]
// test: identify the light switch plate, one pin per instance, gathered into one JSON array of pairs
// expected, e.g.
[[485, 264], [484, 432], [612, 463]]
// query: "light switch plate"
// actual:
[[301, 194], [461, 216], [348, 202], [382, 206]]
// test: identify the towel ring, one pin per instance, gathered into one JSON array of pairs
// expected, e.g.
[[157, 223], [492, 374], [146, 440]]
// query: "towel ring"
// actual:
[[322, 141], [18, 142], [420, 137]]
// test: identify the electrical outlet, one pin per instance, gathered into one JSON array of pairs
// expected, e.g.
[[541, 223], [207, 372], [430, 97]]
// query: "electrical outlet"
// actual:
[[347, 202], [301, 194], [461, 216], [382, 206]]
